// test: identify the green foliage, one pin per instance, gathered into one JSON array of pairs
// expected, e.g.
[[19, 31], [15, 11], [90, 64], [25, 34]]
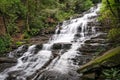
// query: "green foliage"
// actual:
[[111, 9], [34, 32], [114, 34], [111, 74], [12, 28], [12, 8], [5, 43], [110, 18], [82, 5], [26, 35], [60, 15], [19, 43]]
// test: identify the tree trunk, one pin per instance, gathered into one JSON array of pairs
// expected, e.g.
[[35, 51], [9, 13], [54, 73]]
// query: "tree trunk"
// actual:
[[27, 16], [3, 26]]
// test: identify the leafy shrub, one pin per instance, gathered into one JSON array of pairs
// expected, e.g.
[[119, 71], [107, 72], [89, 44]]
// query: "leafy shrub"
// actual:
[[82, 5], [111, 74], [12, 28], [114, 34], [5, 42], [26, 35], [34, 32]]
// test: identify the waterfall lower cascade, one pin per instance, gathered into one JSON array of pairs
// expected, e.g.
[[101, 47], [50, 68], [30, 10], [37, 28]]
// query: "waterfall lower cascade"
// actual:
[[58, 59]]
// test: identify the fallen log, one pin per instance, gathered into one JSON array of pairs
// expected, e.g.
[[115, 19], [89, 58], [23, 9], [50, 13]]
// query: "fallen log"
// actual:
[[7, 60], [112, 55]]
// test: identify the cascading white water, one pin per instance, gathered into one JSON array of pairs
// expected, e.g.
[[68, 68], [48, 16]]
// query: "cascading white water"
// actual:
[[29, 62]]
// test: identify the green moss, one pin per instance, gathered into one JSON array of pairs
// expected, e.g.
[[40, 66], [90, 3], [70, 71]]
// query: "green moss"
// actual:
[[114, 34]]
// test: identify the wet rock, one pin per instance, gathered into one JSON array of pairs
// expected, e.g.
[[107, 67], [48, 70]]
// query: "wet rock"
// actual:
[[61, 46], [56, 75], [79, 28], [60, 23], [87, 48], [101, 36], [43, 38], [77, 35], [92, 17], [101, 41], [4, 66], [13, 75], [55, 53], [38, 48], [7, 60], [18, 52], [82, 59], [58, 52], [76, 16], [94, 24], [6, 63]]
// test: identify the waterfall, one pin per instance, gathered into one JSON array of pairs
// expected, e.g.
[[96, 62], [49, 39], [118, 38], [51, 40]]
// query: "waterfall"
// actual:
[[59, 65]]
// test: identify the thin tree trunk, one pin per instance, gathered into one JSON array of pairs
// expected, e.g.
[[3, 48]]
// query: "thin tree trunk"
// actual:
[[27, 16], [5, 23]]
